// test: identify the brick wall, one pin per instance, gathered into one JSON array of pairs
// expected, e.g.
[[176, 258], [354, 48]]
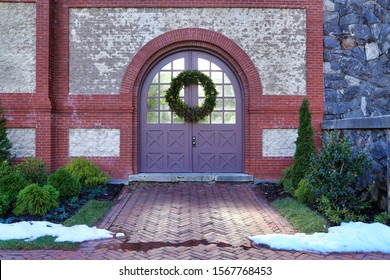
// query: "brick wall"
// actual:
[[52, 111]]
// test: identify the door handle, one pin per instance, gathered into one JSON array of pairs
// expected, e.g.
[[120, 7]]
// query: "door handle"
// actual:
[[193, 141]]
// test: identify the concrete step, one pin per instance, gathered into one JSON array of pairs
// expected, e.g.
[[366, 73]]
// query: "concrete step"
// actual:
[[191, 177]]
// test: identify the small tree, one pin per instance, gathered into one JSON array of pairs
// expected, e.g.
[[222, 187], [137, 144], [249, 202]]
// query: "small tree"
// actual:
[[5, 144], [305, 148]]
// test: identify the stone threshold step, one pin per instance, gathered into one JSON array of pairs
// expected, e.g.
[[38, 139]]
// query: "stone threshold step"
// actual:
[[191, 177]]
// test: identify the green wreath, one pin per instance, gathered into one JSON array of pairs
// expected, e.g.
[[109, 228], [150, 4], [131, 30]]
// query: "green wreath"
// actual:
[[196, 113]]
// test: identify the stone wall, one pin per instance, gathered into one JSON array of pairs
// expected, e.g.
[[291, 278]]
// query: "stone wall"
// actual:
[[17, 47], [23, 141], [103, 42], [357, 82], [356, 58]]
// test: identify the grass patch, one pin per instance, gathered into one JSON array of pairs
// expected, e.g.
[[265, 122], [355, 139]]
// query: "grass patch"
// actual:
[[88, 215], [300, 216]]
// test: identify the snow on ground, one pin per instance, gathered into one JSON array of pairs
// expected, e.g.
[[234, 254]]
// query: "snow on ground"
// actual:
[[348, 237], [32, 230]]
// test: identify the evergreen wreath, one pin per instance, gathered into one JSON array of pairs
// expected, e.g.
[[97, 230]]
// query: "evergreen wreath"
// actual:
[[196, 113]]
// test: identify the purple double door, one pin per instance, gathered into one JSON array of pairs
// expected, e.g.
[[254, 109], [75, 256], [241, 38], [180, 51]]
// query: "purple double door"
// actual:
[[168, 143]]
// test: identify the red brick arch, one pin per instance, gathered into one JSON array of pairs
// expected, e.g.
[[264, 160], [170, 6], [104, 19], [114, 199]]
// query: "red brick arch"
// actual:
[[186, 38]]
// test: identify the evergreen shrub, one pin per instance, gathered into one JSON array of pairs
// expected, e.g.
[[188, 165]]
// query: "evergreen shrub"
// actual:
[[11, 185], [332, 177], [33, 170], [88, 174], [67, 185], [4, 204], [36, 200], [5, 144]]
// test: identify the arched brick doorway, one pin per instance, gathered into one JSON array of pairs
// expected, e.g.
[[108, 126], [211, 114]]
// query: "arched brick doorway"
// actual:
[[192, 38]]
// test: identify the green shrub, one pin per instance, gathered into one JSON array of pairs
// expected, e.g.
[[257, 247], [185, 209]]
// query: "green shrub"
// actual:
[[4, 204], [11, 185], [63, 181], [303, 193], [34, 171], [5, 144], [36, 200], [305, 148], [382, 218], [88, 174], [286, 180], [5, 168], [332, 176]]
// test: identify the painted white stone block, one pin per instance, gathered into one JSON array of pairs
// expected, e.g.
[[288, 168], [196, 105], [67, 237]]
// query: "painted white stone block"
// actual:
[[17, 47], [104, 41], [279, 142], [94, 142], [23, 141]]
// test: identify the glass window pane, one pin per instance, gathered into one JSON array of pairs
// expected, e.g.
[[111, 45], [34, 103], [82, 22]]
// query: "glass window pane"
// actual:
[[230, 104], [207, 73], [178, 64], [152, 117], [215, 67], [153, 90], [200, 101], [206, 120], [175, 74], [219, 104], [177, 119], [165, 117], [229, 91], [152, 104], [226, 80], [230, 117], [164, 104], [167, 67], [203, 64], [155, 79], [181, 93], [163, 89], [219, 89], [165, 77], [216, 77], [216, 117]]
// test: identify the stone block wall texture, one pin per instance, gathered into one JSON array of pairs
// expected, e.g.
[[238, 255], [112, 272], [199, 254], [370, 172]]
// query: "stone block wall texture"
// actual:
[[356, 58], [23, 142], [103, 42], [17, 47], [94, 142], [279, 142]]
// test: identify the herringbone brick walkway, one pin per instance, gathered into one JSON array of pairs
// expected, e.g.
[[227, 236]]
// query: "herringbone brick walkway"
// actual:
[[187, 221]]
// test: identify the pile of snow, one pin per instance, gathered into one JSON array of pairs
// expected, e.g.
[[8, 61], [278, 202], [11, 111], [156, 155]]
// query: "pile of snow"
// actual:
[[32, 230], [348, 237]]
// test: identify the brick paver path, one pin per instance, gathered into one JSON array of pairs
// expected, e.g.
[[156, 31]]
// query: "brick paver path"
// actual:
[[187, 221]]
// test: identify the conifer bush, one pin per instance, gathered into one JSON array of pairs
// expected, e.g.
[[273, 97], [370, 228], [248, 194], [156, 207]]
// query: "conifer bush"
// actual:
[[305, 149], [5, 144], [87, 173], [36, 200], [67, 185], [4, 204], [11, 185], [34, 170]]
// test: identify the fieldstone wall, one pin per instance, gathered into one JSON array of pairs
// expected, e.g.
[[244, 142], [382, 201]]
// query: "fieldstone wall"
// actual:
[[357, 82], [17, 47], [356, 58], [103, 41], [23, 141], [279, 142], [94, 142]]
